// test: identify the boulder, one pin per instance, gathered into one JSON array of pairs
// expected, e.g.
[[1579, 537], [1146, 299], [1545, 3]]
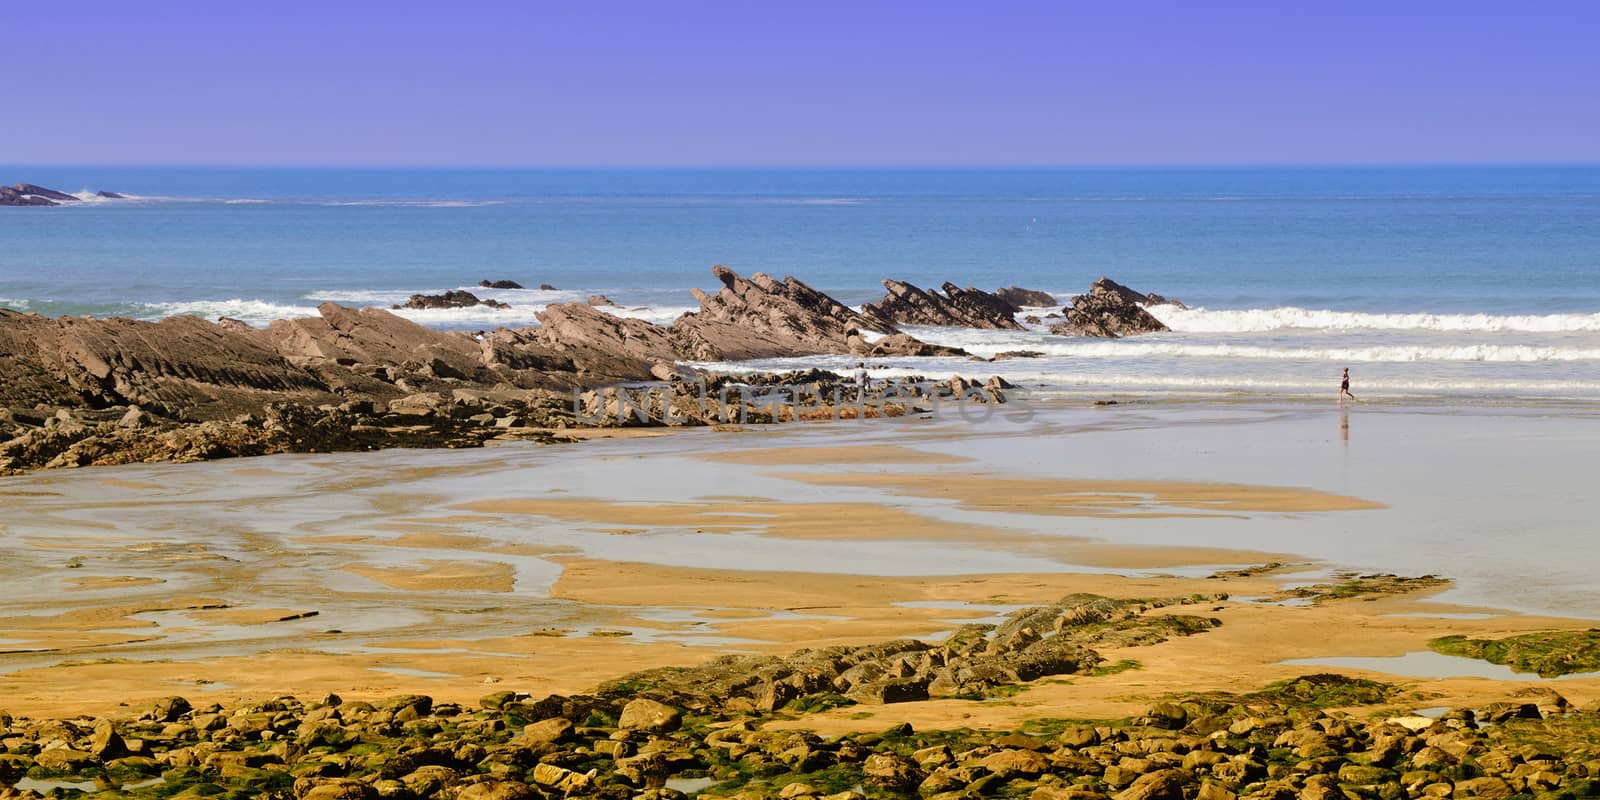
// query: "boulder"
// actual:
[[105, 743], [649, 716], [169, 709], [1021, 298], [548, 731], [1010, 763], [1108, 310], [1164, 784], [907, 304], [64, 759], [335, 789], [488, 284], [892, 771], [600, 300]]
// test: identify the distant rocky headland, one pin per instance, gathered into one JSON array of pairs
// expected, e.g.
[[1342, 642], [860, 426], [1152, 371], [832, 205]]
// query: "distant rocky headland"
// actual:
[[27, 194], [78, 391]]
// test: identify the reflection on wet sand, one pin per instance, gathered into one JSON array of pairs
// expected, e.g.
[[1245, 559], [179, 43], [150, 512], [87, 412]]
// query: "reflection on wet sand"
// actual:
[[515, 564]]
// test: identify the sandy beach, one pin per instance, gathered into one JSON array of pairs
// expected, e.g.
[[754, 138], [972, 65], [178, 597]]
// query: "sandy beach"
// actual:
[[551, 569]]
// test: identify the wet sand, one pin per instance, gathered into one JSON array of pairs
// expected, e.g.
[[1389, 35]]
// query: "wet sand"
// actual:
[[549, 570]]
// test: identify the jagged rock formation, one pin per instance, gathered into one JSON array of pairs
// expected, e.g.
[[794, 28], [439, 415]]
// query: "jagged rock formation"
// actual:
[[77, 391], [455, 298], [1128, 295], [761, 317], [1021, 298], [599, 344], [599, 300], [1110, 310], [182, 367], [907, 304]]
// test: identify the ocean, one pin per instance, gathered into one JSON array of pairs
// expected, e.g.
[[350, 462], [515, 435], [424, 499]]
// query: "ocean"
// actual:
[[1458, 285]]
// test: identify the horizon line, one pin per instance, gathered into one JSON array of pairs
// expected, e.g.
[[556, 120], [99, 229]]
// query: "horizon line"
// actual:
[[1175, 165]]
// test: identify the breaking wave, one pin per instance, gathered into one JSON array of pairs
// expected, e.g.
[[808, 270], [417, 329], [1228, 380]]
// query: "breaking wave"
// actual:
[[1201, 320], [255, 312], [1168, 349], [660, 315]]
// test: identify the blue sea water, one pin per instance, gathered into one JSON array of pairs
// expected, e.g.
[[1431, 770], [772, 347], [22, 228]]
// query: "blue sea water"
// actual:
[[1465, 280]]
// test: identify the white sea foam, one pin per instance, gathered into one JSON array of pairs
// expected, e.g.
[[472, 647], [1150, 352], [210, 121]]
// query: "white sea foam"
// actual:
[[400, 295], [486, 316], [88, 196], [1201, 320], [1398, 353], [409, 203], [1048, 376], [17, 304], [255, 312], [366, 297], [660, 315]]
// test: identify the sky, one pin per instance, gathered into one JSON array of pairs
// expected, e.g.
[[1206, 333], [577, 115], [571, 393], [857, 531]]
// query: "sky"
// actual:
[[476, 82]]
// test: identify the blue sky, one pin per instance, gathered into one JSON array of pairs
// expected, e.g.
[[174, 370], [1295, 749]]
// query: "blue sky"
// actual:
[[803, 83]]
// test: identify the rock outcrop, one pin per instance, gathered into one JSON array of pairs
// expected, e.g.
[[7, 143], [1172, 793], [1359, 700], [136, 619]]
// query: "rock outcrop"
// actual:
[[182, 367], [760, 317], [455, 298], [907, 304], [603, 347], [1110, 310], [27, 194], [78, 391], [1021, 298], [900, 344], [488, 284], [973, 662]]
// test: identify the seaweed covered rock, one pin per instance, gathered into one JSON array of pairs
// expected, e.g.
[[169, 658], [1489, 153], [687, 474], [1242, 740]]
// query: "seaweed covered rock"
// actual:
[[1548, 654], [974, 661]]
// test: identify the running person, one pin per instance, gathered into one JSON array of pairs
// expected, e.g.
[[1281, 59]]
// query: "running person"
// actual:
[[1344, 387]]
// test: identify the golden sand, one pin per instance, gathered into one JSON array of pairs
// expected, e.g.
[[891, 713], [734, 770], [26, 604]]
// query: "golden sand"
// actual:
[[715, 611], [865, 454], [857, 521], [442, 576], [1098, 498]]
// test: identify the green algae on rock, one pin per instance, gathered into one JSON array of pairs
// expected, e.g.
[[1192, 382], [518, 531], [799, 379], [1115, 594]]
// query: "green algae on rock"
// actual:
[[1549, 654]]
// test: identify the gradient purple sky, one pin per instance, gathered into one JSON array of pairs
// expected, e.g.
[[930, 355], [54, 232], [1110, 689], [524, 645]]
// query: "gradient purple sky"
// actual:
[[802, 83]]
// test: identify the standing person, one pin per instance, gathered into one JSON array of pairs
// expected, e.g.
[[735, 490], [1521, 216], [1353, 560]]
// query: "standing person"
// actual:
[[861, 379], [1344, 387]]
